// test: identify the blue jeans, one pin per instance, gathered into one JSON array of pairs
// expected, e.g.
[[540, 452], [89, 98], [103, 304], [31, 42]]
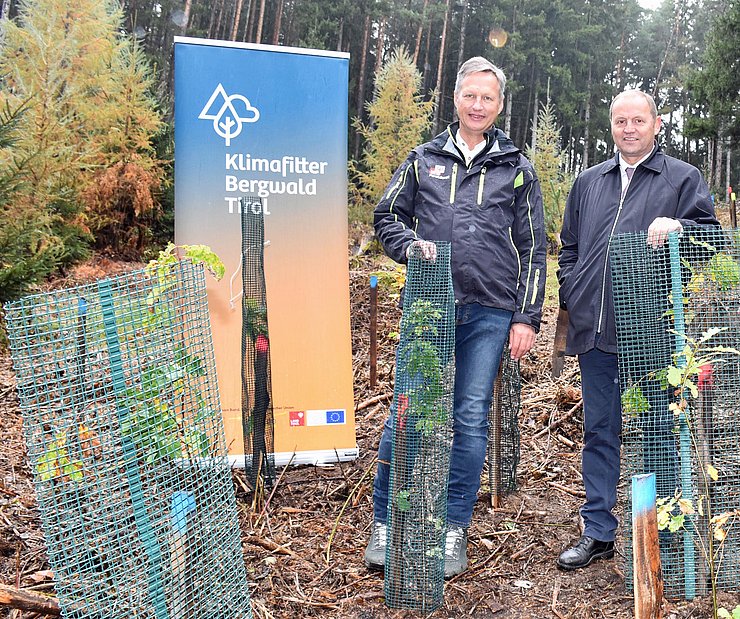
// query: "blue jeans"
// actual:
[[480, 335]]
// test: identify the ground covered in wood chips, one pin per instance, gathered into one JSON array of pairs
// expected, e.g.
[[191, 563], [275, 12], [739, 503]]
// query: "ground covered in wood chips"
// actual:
[[303, 544]]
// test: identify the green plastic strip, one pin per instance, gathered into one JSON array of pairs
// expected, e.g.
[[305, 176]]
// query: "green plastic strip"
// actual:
[[141, 517]]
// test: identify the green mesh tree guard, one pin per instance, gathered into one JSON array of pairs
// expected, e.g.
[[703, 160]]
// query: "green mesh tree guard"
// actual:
[[422, 436], [677, 310], [125, 438], [503, 429], [257, 419]]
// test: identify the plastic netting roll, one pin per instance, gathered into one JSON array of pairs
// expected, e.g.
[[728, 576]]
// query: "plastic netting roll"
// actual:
[[422, 436], [257, 416], [677, 310], [125, 438]]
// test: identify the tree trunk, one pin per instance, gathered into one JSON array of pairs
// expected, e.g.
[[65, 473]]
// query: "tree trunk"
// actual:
[[673, 35], [535, 116], [419, 30], [507, 120], [728, 184], [237, 17], [379, 47], [360, 106], [250, 21], [427, 66], [278, 22], [186, 15], [260, 22], [440, 66], [4, 9], [463, 26], [718, 164], [340, 36], [221, 11]]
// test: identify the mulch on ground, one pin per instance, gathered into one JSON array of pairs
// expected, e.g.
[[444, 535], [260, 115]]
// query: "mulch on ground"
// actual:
[[303, 543]]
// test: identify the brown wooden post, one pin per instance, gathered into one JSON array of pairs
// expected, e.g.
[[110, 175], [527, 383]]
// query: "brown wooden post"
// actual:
[[494, 444], [647, 576], [733, 210], [373, 330]]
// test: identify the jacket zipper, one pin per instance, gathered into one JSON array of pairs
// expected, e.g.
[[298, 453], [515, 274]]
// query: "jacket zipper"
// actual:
[[481, 180], [606, 260], [453, 183]]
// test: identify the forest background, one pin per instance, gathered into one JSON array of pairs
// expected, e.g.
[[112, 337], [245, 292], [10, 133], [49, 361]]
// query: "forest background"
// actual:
[[86, 97]]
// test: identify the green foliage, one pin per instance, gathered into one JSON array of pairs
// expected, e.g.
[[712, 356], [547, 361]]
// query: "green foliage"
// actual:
[[161, 271], [156, 421], [423, 366], [674, 511], [398, 120], [634, 401], [548, 163], [30, 248], [89, 119]]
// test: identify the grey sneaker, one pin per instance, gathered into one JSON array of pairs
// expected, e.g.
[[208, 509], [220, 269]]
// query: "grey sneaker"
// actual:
[[375, 551], [456, 551]]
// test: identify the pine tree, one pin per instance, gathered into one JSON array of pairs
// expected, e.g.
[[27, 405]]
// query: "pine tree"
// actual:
[[399, 117], [547, 162]]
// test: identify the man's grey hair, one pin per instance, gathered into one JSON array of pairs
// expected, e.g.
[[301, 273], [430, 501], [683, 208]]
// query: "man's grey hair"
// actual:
[[646, 96], [478, 64]]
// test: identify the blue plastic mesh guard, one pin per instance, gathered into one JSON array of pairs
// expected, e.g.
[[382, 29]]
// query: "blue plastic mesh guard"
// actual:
[[677, 310], [422, 436], [125, 438]]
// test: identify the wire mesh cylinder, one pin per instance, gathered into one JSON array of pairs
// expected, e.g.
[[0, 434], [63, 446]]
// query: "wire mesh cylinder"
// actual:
[[257, 418], [677, 311], [125, 438], [422, 436], [503, 429]]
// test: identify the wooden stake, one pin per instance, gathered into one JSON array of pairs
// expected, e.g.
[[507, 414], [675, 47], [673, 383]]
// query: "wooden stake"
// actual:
[[373, 330], [648, 579]]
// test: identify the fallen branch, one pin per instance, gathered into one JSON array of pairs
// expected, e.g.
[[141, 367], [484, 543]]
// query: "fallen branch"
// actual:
[[572, 491], [373, 400], [559, 421], [25, 600], [269, 545]]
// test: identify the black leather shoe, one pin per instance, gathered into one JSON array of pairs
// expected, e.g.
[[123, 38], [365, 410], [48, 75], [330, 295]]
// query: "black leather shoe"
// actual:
[[586, 550]]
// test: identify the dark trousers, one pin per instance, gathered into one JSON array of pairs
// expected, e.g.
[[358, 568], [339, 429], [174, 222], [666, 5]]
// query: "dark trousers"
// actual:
[[602, 425]]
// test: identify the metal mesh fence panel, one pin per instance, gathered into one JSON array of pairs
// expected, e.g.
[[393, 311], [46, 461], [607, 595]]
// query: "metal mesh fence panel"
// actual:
[[125, 438], [503, 429], [257, 418], [677, 310], [422, 436]]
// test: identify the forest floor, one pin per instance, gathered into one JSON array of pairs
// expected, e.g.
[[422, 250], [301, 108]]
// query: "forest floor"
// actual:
[[303, 549]]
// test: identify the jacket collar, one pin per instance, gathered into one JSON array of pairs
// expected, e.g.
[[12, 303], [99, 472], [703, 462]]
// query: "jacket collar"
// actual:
[[497, 143], [654, 162]]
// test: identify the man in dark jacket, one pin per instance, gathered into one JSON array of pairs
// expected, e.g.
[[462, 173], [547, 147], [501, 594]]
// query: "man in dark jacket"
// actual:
[[639, 189], [469, 186]]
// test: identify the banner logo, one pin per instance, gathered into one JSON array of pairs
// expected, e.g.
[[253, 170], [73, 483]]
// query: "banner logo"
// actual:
[[233, 112]]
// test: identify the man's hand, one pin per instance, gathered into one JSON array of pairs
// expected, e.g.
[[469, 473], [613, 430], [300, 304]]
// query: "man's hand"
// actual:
[[659, 230], [521, 340], [424, 249]]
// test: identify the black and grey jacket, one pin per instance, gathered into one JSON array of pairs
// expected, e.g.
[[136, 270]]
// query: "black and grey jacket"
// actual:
[[490, 211]]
